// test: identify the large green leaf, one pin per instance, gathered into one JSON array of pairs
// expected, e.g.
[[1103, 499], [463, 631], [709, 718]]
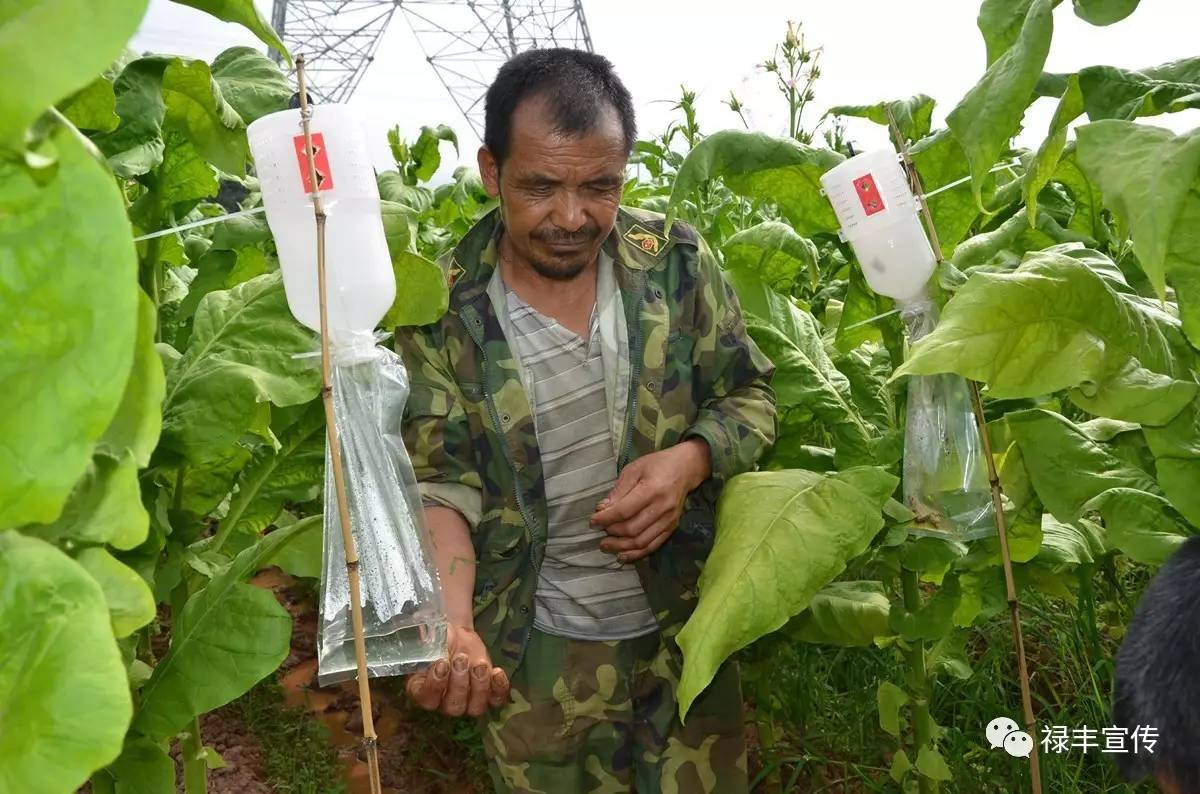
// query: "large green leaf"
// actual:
[[130, 602], [135, 428], [104, 507], [213, 271], [1000, 23], [931, 764], [303, 556], [424, 156], [844, 614], [205, 485], [914, 116], [1150, 178], [195, 107], [933, 619], [866, 315], [1112, 93], [50, 48], [868, 369], [890, 699], [801, 381], [940, 160], [991, 112], [93, 107], [184, 176], [392, 187], [421, 292], [160, 94], [70, 326], [1088, 216], [63, 692], [227, 638], [1066, 545], [143, 768], [1104, 12], [762, 168], [242, 353], [1178, 477], [251, 83], [293, 472], [1053, 324], [180, 180], [1045, 162], [1176, 449], [775, 252], [246, 14], [136, 146], [399, 227], [1003, 246], [781, 537], [805, 377], [1142, 525], [240, 232], [1067, 468]]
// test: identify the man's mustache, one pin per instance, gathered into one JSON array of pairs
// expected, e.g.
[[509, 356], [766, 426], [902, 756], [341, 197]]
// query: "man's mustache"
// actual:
[[562, 237]]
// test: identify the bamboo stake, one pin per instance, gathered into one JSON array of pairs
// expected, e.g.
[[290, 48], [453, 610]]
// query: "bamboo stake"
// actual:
[[1014, 605], [370, 740]]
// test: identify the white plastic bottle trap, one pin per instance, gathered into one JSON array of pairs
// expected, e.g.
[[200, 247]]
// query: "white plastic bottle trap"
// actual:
[[403, 620], [945, 481], [360, 282], [879, 218]]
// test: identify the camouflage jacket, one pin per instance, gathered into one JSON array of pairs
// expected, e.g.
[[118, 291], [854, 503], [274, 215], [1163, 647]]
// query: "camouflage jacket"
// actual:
[[694, 372]]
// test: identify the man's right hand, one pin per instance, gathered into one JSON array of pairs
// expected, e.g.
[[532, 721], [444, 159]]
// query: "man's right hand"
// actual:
[[465, 682]]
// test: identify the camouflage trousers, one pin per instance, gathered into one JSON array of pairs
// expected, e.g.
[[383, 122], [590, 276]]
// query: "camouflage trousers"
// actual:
[[601, 718]]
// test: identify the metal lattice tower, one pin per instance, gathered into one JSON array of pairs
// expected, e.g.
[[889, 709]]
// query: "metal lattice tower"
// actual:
[[465, 41]]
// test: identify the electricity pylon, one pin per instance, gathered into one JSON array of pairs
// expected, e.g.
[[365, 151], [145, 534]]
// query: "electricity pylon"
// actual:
[[465, 41]]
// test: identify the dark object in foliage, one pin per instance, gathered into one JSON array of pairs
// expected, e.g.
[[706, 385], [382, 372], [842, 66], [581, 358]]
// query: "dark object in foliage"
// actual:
[[231, 195], [1158, 676]]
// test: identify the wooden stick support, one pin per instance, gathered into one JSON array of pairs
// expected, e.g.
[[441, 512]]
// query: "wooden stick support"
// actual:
[[370, 739], [1014, 606]]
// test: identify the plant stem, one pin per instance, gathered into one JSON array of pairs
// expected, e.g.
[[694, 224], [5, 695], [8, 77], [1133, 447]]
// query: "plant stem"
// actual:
[[177, 495], [1087, 608], [918, 678], [195, 768], [149, 269], [769, 739]]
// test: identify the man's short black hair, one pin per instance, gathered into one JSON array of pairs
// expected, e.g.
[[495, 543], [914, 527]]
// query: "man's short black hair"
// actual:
[[1158, 674], [577, 83]]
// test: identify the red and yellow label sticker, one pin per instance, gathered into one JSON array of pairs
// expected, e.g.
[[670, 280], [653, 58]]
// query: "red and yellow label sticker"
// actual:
[[868, 194], [320, 160]]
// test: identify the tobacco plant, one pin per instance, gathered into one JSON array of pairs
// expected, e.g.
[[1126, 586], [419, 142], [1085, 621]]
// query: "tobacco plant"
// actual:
[[162, 441]]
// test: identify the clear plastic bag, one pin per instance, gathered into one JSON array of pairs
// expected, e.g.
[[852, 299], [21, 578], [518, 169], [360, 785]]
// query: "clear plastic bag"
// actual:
[[945, 474], [403, 619]]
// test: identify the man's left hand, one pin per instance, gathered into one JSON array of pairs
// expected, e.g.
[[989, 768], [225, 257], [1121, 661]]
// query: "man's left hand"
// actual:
[[645, 505]]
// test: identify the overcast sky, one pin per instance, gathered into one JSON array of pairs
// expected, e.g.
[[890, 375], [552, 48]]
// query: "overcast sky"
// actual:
[[872, 50]]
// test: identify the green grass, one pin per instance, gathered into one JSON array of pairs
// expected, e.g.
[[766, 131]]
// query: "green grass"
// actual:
[[298, 756], [445, 749], [821, 701]]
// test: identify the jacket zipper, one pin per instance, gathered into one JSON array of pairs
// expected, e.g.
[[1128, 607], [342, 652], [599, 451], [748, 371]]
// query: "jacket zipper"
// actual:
[[495, 415], [521, 507], [635, 354]]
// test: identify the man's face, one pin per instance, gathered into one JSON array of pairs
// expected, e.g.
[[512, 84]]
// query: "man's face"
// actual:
[[559, 193]]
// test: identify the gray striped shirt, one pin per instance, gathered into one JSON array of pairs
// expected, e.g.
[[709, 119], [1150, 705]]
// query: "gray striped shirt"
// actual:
[[582, 591]]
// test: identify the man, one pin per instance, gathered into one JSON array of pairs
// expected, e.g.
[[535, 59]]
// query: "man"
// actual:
[[1158, 678], [571, 420]]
